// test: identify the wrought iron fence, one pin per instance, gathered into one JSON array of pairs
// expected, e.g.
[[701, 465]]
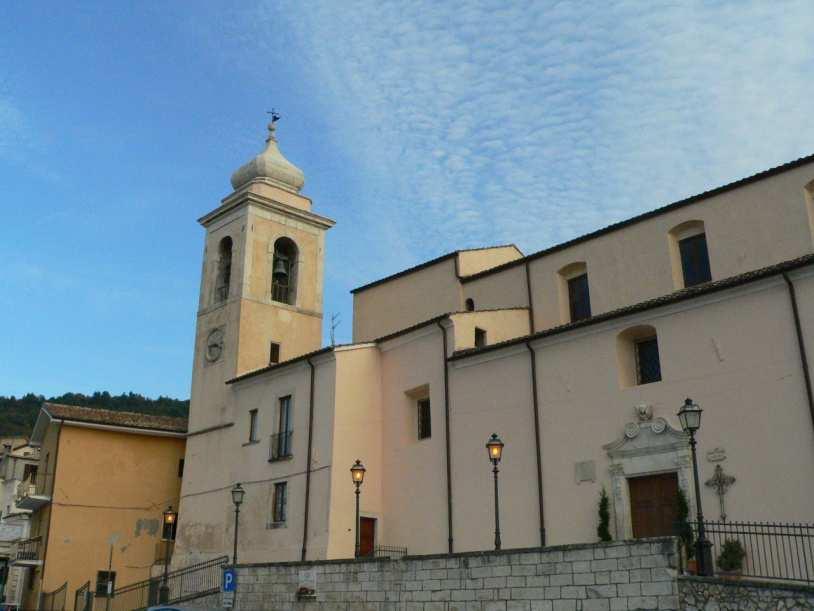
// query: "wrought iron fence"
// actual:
[[83, 598], [389, 551], [28, 549], [774, 550], [280, 446], [182, 584], [55, 601]]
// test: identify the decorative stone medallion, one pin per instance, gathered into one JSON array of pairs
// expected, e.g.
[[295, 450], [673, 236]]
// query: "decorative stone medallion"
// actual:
[[716, 455], [631, 430], [644, 412], [214, 345]]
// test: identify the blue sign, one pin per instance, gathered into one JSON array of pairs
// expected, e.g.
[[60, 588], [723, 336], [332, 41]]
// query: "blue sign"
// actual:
[[229, 580]]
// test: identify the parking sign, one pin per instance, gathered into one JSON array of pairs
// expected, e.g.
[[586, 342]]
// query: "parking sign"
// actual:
[[228, 587]]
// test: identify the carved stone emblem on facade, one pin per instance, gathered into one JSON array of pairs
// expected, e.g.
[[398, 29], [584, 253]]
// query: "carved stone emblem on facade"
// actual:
[[716, 455], [631, 430], [644, 412], [721, 483], [214, 345]]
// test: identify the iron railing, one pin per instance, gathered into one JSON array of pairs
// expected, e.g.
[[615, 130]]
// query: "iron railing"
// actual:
[[28, 549], [774, 550], [83, 598], [182, 584], [55, 601], [388, 551], [280, 446]]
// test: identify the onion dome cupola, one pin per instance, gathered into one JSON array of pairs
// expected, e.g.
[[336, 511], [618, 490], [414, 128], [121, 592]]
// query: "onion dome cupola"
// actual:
[[270, 166]]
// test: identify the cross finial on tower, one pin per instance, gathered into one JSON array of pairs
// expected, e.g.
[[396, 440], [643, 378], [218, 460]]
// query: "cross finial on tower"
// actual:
[[275, 116]]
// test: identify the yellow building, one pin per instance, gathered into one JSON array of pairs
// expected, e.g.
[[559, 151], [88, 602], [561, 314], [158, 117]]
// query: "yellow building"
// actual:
[[103, 481]]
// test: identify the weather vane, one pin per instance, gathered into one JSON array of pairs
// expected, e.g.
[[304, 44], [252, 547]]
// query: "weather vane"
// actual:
[[275, 116]]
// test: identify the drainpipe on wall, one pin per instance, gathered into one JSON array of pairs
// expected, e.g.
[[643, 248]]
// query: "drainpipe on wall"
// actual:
[[446, 421], [801, 344], [308, 464], [530, 301], [534, 407]]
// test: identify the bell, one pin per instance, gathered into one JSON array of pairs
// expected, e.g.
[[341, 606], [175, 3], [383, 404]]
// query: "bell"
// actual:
[[280, 269]]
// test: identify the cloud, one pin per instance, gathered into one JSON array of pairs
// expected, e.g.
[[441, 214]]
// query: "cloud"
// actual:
[[493, 122]]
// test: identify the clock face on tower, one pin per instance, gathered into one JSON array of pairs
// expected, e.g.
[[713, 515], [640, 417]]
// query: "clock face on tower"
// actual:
[[214, 345]]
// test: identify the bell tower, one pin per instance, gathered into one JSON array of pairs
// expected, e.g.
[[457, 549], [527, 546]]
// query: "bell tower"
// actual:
[[261, 280]]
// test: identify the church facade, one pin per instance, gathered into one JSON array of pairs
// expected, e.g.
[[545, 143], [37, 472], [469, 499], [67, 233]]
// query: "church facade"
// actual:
[[578, 356]]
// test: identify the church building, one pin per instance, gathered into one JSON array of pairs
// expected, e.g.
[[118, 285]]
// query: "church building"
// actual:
[[578, 356]]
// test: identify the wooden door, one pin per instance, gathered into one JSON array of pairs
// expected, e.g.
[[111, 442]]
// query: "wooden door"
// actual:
[[367, 536], [653, 504]]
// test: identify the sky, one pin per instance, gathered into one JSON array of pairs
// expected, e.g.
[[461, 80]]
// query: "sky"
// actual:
[[421, 127]]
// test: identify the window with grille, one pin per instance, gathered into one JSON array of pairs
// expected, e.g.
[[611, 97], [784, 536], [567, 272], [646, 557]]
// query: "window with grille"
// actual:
[[694, 260], [281, 440], [103, 578], [424, 419], [278, 510], [579, 298], [648, 366], [480, 337], [224, 274]]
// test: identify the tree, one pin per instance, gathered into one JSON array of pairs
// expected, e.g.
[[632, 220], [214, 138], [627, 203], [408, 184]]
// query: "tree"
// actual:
[[603, 530]]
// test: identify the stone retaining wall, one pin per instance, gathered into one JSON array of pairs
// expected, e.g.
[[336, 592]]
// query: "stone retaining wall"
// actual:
[[712, 594], [621, 576]]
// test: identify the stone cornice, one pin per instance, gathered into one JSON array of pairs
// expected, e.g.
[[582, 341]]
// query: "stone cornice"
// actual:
[[243, 197]]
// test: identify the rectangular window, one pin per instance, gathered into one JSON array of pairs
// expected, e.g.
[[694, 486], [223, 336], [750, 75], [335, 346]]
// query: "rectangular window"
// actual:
[[252, 425], [424, 419], [579, 299], [105, 582], [648, 366], [695, 260], [278, 510], [29, 472], [480, 337], [274, 353], [281, 441]]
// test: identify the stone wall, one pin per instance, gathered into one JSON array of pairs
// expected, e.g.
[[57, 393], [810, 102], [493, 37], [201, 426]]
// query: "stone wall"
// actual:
[[713, 594], [598, 577]]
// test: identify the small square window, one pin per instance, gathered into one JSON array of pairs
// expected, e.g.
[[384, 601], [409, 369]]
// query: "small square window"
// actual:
[[424, 419], [480, 337], [648, 366], [274, 353], [279, 504]]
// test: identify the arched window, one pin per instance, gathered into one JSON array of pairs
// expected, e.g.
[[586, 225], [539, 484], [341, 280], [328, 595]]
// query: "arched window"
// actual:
[[689, 254], [284, 272], [575, 298], [470, 305], [224, 269], [637, 351]]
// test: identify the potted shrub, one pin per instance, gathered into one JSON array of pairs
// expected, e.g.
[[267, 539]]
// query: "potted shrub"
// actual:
[[683, 531], [730, 560], [603, 530]]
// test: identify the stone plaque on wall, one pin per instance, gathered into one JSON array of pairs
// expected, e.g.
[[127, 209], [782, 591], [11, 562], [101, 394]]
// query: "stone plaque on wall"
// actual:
[[585, 471]]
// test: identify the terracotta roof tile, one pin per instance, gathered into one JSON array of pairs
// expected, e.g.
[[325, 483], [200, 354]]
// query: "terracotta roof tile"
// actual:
[[132, 420]]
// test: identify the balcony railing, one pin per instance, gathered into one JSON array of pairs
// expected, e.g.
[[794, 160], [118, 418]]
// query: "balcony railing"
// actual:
[[280, 446], [27, 551]]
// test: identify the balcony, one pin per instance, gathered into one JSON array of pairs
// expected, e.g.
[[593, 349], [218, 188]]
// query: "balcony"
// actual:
[[27, 552], [32, 493], [280, 446]]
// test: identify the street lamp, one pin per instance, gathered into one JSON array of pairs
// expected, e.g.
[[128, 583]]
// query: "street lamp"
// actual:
[[237, 499], [167, 535], [690, 417], [357, 473], [495, 448]]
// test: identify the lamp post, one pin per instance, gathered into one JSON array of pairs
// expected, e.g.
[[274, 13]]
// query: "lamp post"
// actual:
[[495, 448], [237, 499], [690, 417], [357, 473], [167, 535]]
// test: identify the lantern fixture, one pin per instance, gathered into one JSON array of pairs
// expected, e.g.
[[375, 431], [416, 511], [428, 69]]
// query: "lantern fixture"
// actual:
[[237, 494], [690, 416], [495, 448], [357, 473]]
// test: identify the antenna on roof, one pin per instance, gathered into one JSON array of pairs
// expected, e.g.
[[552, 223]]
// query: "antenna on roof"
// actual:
[[335, 320]]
